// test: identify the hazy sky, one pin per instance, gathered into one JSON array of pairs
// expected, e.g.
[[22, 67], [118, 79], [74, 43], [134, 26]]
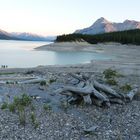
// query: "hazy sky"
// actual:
[[52, 17]]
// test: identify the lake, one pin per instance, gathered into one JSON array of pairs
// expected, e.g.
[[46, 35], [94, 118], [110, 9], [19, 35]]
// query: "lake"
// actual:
[[21, 54]]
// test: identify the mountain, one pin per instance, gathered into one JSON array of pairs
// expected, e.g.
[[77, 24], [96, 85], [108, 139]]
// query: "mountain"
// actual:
[[24, 36], [32, 37], [102, 25], [6, 35]]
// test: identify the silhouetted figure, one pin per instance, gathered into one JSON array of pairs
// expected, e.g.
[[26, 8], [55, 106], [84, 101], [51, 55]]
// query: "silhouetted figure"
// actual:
[[4, 66]]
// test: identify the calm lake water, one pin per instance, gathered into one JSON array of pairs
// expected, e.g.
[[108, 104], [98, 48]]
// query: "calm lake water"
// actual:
[[22, 54]]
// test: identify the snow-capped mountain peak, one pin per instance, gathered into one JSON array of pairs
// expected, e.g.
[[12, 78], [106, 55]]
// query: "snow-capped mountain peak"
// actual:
[[101, 20], [102, 25]]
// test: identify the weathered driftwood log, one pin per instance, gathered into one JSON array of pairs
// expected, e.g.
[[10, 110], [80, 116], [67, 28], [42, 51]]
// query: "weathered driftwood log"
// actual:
[[37, 80], [91, 129], [81, 84], [16, 78], [87, 99], [132, 93], [88, 90], [23, 82], [93, 92], [20, 80], [106, 89], [116, 101], [76, 90], [99, 95], [76, 77], [99, 86]]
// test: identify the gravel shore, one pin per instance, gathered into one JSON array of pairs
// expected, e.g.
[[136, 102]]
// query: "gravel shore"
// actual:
[[72, 122], [64, 122], [116, 122]]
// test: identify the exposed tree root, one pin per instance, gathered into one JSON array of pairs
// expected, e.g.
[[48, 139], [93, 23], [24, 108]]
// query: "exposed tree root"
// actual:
[[89, 90]]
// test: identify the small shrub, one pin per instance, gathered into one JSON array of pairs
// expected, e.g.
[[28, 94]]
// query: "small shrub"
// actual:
[[64, 105], [52, 81], [43, 83], [25, 100], [32, 107], [20, 103], [19, 106], [12, 107], [4, 106], [109, 73], [36, 125], [29, 72], [33, 119], [47, 107], [21, 114], [22, 117], [112, 82], [126, 87]]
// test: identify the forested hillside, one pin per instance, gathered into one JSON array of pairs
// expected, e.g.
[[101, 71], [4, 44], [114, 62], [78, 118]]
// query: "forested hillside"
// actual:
[[124, 37]]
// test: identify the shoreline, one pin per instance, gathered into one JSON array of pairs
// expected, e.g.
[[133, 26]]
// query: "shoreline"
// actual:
[[66, 121], [124, 55], [123, 52]]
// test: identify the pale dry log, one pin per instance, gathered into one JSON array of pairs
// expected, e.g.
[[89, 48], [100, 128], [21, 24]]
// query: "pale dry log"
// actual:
[[81, 84], [99, 95], [116, 101], [16, 78], [105, 89], [91, 129], [132, 93], [87, 99], [76, 77], [99, 86], [88, 90], [93, 92], [38, 80], [75, 100], [75, 90], [63, 92], [23, 82], [72, 99]]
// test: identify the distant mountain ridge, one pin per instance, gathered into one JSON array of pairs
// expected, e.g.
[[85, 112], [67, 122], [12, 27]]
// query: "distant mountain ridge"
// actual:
[[102, 25], [32, 37], [6, 35], [24, 36]]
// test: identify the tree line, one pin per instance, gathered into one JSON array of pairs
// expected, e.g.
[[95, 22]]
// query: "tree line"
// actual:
[[124, 37]]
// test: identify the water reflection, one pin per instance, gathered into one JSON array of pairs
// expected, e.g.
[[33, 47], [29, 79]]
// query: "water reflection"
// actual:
[[21, 54]]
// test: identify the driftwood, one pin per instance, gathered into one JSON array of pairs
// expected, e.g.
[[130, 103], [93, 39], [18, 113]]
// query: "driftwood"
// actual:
[[132, 93], [21, 80], [37, 80], [91, 129], [89, 90], [106, 89], [16, 78]]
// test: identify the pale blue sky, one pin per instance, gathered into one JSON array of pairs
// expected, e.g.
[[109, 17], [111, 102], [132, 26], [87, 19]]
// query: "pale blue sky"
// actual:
[[53, 17]]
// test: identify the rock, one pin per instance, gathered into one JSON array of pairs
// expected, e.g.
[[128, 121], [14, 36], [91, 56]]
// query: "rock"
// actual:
[[1, 99], [91, 129]]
